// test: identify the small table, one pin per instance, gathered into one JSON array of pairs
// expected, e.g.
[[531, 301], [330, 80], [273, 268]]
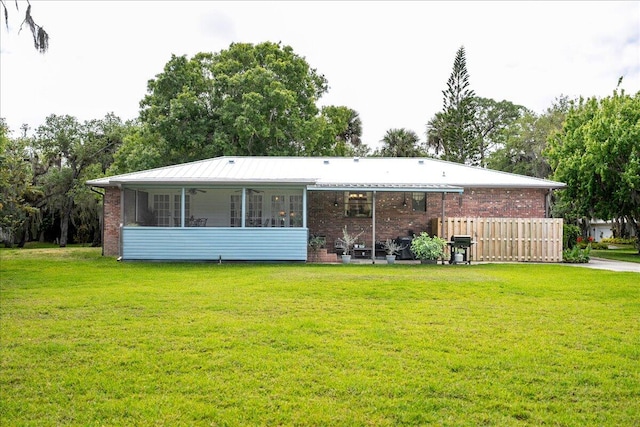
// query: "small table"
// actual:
[[366, 252]]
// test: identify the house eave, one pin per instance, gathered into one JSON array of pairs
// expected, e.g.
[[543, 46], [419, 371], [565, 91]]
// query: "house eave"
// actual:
[[429, 188]]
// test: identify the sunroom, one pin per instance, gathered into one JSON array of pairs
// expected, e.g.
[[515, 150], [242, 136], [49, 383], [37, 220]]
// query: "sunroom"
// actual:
[[214, 223]]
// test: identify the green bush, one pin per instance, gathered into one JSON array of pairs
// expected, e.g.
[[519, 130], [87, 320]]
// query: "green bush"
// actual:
[[576, 255], [570, 234], [598, 246], [427, 247], [618, 241]]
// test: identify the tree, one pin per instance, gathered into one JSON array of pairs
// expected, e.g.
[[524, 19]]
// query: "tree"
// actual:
[[245, 100], [450, 132], [335, 132], [40, 36], [525, 141], [16, 187], [140, 149], [71, 153], [491, 124], [597, 154], [401, 143]]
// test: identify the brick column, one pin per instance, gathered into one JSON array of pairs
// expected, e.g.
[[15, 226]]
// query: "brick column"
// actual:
[[112, 221]]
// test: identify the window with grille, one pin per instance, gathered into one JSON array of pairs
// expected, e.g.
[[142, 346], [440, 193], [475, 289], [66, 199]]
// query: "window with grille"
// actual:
[[162, 209], [358, 204], [236, 211], [177, 208], [419, 202], [278, 212], [295, 211], [254, 210]]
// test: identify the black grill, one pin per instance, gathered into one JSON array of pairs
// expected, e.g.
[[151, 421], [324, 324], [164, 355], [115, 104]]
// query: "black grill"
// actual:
[[460, 243]]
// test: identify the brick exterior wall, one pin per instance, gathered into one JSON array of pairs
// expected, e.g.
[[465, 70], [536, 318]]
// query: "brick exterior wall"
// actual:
[[112, 221], [395, 220]]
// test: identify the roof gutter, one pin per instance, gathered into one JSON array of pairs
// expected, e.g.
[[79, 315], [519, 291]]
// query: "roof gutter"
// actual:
[[382, 188]]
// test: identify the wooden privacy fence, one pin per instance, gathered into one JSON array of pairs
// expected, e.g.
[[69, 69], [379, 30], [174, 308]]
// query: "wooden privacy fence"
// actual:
[[508, 239]]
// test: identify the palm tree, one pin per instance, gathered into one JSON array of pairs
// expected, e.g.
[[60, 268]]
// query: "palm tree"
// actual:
[[401, 143], [353, 133]]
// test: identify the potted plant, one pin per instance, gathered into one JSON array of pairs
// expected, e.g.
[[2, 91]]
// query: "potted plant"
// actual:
[[317, 246], [428, 249], [392, 248], [346, 244]]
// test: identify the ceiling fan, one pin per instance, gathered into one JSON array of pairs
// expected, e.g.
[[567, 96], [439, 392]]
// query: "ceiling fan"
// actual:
[[251, 191], [193, 191]]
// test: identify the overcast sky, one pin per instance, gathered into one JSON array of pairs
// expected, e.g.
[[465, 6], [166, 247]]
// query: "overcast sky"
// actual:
[[388, 60]]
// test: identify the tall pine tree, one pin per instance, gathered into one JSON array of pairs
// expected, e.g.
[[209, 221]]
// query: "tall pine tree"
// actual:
[[450, 133]]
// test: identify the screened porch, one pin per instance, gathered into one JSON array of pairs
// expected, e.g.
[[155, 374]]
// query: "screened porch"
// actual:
[[214, 224]]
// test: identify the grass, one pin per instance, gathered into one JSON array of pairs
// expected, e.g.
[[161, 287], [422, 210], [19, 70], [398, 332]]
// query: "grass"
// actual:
[[628, 254], [85, 340]]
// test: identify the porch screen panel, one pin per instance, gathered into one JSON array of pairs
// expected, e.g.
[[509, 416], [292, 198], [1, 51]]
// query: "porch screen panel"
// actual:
[[162, 209], [129, 207], [295, 211], [278, 212], [254, 210], [235, 213], [177, 209]]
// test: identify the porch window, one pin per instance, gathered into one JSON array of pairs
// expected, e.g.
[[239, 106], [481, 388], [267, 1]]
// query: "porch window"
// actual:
[[177, 208], [419, 202], [295, 211], [212, 207], [358, 204], [161, 209], [254, 210], [278, 211], [235, 211]]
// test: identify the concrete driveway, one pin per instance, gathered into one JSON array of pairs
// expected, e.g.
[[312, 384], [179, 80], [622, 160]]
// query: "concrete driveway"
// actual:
[[607, 264]]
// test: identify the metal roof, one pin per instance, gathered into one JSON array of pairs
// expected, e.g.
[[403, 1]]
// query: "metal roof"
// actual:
[[329, 173]]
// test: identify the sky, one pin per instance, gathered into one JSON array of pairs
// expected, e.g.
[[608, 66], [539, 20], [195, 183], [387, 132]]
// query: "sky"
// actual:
[[387, 60]]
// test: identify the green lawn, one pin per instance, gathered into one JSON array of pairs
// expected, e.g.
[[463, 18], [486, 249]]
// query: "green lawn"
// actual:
[[628, 254], [87, 341]]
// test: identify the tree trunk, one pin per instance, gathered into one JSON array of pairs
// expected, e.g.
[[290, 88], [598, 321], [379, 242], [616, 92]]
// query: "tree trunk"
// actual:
[[64, 222]]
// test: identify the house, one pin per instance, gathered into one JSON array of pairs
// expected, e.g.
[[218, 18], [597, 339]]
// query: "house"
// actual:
[[265, 208]]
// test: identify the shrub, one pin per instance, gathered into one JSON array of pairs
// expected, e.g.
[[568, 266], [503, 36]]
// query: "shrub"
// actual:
[[427, 247], [570, 234], [618, 241], [598, 246], [576, 255], [317, 242]]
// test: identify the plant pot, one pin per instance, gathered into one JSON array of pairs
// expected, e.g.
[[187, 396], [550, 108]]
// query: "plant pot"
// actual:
[[391, 259], [346, 259], [428, 261]]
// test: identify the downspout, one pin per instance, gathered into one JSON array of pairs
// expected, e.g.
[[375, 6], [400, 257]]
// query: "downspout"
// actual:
[[101, 221], [183, 203], [304, 208], [242, 210], [444, 193], [373, 228], [304, 221], [121, 225]]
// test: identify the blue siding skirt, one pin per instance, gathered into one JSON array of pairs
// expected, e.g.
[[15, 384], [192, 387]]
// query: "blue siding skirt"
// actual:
[[214, 244]]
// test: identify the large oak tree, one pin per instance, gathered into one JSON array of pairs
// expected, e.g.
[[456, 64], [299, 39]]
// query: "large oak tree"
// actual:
[[597, 154], [245, 100]]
